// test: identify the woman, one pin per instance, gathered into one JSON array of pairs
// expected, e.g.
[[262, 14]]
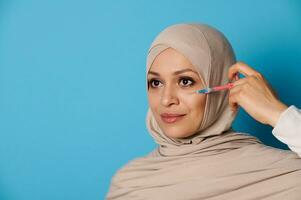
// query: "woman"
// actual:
[[199, 155]]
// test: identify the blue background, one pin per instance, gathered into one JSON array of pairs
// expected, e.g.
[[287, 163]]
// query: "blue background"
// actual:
[[72, 82]]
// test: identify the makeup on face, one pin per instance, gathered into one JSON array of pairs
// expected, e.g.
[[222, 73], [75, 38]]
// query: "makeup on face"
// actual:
[[183, 82], [171, 117], [154, 83], [177, 85]]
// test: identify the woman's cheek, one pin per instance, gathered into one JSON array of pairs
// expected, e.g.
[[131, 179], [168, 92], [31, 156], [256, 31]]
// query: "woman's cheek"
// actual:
[[192, 99], [196, 105], [154, 102]]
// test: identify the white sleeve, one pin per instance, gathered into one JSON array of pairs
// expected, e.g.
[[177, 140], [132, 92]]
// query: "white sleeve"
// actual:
[[288, 128]]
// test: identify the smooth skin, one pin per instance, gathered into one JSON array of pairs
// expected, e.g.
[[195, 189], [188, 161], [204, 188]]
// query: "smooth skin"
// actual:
[[175, 93]]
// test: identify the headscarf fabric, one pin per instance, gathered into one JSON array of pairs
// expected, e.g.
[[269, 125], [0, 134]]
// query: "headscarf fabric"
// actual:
[[215, 163]]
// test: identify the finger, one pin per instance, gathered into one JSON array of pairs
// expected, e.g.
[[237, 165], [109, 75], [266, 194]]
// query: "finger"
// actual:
[[233, 104], [242, 68], [235, 77], [234, 97], [239, 82]]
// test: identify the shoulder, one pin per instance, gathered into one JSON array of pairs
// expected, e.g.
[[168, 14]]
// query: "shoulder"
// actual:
[[263, 150], [128, 167]]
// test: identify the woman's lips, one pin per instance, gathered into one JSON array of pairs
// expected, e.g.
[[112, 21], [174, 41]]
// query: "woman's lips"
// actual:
[[171, 118]]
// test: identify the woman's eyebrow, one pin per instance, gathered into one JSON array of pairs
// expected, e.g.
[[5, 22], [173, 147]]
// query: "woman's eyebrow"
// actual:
[[175, 73]]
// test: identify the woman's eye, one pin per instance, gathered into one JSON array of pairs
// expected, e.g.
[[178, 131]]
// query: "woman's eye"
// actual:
[[154, 83], [186, 82]]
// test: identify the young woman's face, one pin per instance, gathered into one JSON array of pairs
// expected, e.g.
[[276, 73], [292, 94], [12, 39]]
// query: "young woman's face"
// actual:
[[172, 82]]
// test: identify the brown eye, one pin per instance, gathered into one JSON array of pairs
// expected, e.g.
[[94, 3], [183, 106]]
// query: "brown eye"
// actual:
[[154, 83], [187, 82]]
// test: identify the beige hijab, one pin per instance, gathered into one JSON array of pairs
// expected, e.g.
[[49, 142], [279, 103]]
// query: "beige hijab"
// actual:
[[215, 162]]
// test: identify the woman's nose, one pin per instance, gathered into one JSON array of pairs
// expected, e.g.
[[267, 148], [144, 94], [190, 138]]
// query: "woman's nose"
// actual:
[[169, 96]]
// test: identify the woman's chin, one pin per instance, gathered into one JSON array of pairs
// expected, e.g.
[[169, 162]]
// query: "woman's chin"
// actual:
[[176, 132]]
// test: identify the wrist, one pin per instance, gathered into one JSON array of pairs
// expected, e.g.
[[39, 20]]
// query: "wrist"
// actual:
[[279, 107]]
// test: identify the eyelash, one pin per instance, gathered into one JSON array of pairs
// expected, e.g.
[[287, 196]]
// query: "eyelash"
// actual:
[[180, 79]]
